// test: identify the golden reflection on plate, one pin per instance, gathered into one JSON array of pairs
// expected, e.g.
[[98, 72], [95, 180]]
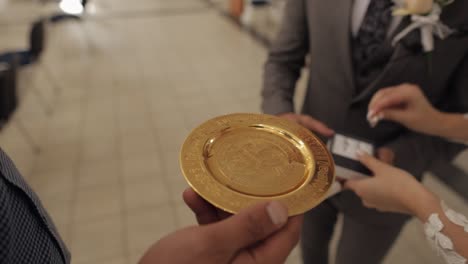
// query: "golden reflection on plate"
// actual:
[[237, 160]]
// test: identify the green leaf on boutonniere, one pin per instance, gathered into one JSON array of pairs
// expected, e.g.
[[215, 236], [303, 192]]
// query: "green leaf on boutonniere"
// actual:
[[443, 3]]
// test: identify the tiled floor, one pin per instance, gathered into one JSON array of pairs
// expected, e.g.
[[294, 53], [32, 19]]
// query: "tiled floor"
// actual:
[[109, 106]]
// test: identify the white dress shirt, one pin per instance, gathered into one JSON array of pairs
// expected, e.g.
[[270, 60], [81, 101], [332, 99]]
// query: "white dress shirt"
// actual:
[[359, 12]]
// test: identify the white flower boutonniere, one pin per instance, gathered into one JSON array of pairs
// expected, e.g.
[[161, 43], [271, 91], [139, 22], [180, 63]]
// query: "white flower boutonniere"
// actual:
[[425, 16]]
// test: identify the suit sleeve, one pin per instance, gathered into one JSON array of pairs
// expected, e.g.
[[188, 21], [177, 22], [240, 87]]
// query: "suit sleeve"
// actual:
[[458, 97], [285, 60], [420, 152]]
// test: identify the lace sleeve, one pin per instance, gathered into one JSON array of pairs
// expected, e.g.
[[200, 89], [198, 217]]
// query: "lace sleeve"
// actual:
[[442, 243]]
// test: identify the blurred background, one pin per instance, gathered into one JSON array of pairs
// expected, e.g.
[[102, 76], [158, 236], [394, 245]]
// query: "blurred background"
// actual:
[[98, 96]]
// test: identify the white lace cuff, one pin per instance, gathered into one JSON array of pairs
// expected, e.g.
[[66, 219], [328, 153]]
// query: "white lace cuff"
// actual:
[[455, 217], [442, 243]]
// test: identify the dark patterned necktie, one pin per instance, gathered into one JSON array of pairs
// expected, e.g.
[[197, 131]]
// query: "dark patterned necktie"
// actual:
[[372, 34]]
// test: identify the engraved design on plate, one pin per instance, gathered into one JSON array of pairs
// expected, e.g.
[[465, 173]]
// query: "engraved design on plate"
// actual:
[[256, 162]]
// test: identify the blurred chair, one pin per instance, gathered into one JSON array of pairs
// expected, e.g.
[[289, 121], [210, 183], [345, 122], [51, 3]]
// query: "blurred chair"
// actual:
[[37, 40], [36, 46], [8, 97], [11, 63], [9, 101]]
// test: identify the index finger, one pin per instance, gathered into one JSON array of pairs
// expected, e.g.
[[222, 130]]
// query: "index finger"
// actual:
[[370, 162], [204, 211], [389, 97]]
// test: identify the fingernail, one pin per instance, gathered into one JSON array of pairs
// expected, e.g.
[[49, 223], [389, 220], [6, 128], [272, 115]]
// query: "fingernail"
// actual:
[[370, 114], [360, 153], [278, 213], [374, 121]]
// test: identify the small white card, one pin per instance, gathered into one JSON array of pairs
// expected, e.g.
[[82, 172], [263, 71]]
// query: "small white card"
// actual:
[[344, 150], [348, 147]]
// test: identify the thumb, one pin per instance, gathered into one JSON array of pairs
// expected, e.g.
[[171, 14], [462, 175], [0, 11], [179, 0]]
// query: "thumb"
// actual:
[[386, 155], [316, 126], [251, 225]]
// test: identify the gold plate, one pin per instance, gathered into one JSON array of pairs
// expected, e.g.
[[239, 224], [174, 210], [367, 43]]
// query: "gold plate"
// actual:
[[237, 160]]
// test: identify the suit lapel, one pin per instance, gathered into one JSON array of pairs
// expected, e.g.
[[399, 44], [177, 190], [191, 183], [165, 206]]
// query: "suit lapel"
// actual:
[[344, 10], [333, 17], [390, 69]]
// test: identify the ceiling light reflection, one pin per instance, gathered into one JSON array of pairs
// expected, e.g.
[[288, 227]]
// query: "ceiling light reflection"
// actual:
[[72, 7]]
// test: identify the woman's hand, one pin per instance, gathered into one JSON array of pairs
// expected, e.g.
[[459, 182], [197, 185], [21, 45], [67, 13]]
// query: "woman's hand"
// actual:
[[390, 189], [405, 104]]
